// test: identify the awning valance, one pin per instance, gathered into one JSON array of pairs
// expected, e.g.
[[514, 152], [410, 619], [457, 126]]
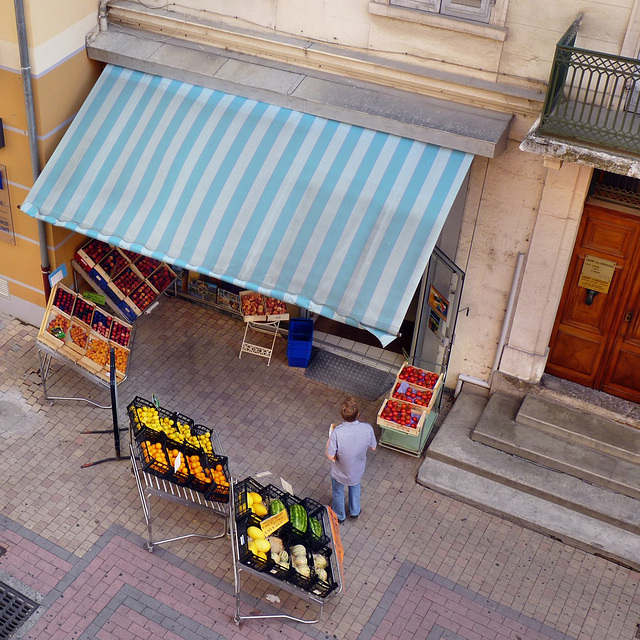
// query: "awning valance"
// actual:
[[329, 216]]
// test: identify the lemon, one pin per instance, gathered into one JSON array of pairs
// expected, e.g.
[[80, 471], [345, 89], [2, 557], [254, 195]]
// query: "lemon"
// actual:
[[249, 500], [256, 496], [251, 545]]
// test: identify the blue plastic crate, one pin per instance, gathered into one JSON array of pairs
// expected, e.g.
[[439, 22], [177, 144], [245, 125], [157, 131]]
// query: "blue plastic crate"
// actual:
[[299, 360], [301, 330]]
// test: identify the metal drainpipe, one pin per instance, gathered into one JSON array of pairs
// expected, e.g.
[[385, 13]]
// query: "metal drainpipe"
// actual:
[[506, 323], [25, 68]]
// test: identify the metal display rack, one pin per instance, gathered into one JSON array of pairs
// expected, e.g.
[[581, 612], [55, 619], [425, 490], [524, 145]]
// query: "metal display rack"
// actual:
[[255, 349], [289, 587], [151, 486]]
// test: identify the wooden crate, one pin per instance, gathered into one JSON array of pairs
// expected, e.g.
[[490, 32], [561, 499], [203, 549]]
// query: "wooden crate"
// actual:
[[417, 386], [274, 317], [389, 424], [43, 335], [256, 317], [419, 407], [70, 344]]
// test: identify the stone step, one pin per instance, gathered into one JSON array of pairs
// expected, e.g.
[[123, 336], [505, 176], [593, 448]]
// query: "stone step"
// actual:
[[498, 428], [571, 527], [579, 427], [453, 446]]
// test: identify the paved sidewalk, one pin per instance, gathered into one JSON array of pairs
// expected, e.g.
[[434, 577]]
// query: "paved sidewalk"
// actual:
[[418, 565]]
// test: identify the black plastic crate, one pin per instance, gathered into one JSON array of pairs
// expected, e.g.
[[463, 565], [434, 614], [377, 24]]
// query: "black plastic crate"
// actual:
[[203, 434], [290, 502], [271, 493], [140, 430], [244, 554], [218, 492], [320, 587], [315, 511], [182, 478], [198, 483], [180, 418], [241, 489], [304, 582], [280, 572], [152, 461]]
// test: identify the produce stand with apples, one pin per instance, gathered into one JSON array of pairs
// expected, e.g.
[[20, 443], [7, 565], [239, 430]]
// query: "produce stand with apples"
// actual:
[[261, 315], [79, 334], [131, 283], [407, 416], [290, 542], [174, 459]]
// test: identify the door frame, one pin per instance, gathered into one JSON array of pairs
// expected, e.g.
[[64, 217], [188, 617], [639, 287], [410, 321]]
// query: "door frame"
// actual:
[[618, 311]]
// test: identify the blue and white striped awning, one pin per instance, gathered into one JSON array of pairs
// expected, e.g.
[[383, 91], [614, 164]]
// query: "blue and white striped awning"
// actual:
[[329, 216]]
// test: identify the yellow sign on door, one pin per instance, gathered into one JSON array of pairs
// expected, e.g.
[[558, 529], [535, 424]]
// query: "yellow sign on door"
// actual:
[[597, 274]]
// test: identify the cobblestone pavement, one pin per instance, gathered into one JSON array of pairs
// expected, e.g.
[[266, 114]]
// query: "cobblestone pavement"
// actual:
[[417, 564]]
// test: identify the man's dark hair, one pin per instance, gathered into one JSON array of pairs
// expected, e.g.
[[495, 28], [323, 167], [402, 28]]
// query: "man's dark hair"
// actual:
[[349, 410]]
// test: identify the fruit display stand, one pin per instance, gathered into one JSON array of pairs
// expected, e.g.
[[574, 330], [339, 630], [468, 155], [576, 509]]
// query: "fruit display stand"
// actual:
[[77, 333], [188, 480], [301, 545], [407, 416], [261, 315], [131, 283]]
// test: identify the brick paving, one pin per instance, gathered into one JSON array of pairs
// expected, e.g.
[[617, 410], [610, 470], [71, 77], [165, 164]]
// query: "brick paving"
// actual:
[[418, 565]]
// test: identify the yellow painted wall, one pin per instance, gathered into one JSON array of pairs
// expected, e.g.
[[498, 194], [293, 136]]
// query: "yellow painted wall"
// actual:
[[58, 94]]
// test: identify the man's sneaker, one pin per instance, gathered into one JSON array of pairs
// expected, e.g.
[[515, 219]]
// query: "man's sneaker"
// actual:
[[341, 521], [354, 517]]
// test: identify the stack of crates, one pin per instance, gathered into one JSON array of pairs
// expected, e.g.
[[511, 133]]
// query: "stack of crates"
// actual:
[[300, 341]]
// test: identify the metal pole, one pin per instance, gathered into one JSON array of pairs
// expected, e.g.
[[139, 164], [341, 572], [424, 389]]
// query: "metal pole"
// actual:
[[25, 68], [114, 400]]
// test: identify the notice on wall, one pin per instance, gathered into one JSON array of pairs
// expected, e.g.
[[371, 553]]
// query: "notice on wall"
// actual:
[[6, 221], [597, 274]]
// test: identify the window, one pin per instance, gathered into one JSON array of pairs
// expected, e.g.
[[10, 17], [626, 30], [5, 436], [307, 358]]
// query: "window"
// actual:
[[478, 10]]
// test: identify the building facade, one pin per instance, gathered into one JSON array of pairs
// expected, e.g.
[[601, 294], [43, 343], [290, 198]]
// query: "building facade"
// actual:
[[469, 75]]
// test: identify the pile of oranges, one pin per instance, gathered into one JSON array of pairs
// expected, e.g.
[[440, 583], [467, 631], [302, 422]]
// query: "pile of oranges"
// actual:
[[122, 355], [98, 351], [155, 453], [201, 473], [187, 465]]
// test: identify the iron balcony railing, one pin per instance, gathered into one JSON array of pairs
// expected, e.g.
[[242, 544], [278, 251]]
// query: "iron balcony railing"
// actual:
[[593, 97]]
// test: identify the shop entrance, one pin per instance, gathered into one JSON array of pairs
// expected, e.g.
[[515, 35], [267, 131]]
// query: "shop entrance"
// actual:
[[596, 336]]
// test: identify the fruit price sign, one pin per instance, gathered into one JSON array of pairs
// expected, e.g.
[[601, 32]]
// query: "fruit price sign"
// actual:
[[272, 524]]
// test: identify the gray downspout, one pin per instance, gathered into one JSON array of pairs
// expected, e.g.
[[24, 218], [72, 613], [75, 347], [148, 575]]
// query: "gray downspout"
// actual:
[[25, 68]]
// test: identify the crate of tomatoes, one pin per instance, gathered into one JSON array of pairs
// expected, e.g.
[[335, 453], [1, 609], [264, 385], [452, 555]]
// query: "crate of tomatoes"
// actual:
[[420, 399], [419, 378], [401, 416]]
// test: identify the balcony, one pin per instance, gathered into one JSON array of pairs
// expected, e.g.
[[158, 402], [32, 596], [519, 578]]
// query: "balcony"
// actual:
[[593, 99]]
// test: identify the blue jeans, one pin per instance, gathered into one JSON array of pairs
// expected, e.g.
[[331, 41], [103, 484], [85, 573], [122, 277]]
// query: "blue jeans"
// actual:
[[338, 499]]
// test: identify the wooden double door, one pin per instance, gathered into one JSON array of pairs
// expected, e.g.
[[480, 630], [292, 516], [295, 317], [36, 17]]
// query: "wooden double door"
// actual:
[[596, 336]]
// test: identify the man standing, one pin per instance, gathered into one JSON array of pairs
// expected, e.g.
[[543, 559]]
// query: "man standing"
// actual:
[[347, 449]]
